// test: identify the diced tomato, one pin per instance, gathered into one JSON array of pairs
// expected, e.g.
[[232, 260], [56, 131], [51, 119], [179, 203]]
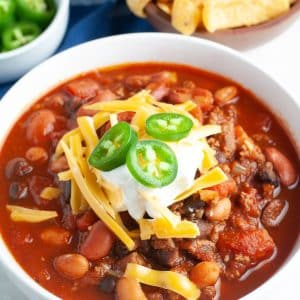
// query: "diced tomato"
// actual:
[[126, 116], [226, 188], [257, 243]]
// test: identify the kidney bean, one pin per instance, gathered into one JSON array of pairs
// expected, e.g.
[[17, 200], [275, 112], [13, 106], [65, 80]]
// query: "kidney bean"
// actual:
[[18, 190], [39, 126], [282, 165], [98, 243], [219, 210], [71, 266], [226, 95], [129, 289], [102, 96], [274, 212], [205, 274], [17, 167], [86, 220], [56, 236], [37, 155], [83, 88]]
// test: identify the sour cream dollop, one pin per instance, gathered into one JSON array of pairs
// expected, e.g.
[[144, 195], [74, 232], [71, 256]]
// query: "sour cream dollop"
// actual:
[[189, 153]]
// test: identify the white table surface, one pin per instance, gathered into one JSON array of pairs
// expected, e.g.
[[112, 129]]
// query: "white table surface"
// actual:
[[280, 58]]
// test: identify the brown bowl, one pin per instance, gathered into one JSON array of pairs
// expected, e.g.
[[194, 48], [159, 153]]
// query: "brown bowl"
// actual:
[[241, 38]]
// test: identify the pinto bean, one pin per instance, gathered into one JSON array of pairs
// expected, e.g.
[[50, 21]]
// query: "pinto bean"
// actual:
[[274, 212], [39, 126], [179, 95], [71, 266], [55, 236], [226, 95], [98, 243], [204, 98], [219, 210], [59, 164], [205, 274], [129, 289], [282, 165], [37, 155]]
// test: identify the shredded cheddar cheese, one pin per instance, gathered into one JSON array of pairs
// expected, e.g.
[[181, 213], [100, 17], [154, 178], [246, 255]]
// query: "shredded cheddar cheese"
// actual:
[[50, 193], [93, 202], [211, 178], [22, 214], [89, 189], [169, 280], [163, 229]]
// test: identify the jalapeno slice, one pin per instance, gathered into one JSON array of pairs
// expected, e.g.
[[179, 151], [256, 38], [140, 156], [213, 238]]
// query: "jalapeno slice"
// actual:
[[112, 148], [152, 163], [19, 34], [168, 126], [38, 11], [7, 10]]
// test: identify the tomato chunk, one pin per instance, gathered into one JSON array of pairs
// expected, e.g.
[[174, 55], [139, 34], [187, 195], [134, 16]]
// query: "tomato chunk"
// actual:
[[257, 243]]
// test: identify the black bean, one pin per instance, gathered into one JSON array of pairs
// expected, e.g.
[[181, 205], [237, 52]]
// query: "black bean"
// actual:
[[18, 190], [192, 204], [267, 174], [169, 258], [65, 187], [107, 284], [17, 167], [120, 250]]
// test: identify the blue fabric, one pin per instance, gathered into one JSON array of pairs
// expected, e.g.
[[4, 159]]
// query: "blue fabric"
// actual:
[[91, 22]]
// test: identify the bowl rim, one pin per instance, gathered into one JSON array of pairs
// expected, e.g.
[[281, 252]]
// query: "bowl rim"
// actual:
[[152, 9], [24, 278], [62, 6]]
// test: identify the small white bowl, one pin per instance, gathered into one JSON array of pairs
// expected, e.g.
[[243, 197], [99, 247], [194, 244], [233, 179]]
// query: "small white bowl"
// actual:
[[15, 63], [157, 47]]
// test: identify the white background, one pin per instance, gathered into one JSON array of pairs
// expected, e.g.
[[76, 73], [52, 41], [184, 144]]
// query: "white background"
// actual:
[[280, 58]]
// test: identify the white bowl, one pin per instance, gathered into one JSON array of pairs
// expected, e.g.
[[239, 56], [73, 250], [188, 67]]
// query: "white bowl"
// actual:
[[15, 63], [140, 48]]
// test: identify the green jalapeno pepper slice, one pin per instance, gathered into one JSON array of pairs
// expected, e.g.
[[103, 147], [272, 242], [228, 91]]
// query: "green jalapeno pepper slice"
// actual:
[[37, 11], [112, 148], [168, 126], [152, 163], [7, 11], [19, 34]]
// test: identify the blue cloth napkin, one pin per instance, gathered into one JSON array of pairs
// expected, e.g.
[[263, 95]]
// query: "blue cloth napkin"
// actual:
[[91, 22]]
